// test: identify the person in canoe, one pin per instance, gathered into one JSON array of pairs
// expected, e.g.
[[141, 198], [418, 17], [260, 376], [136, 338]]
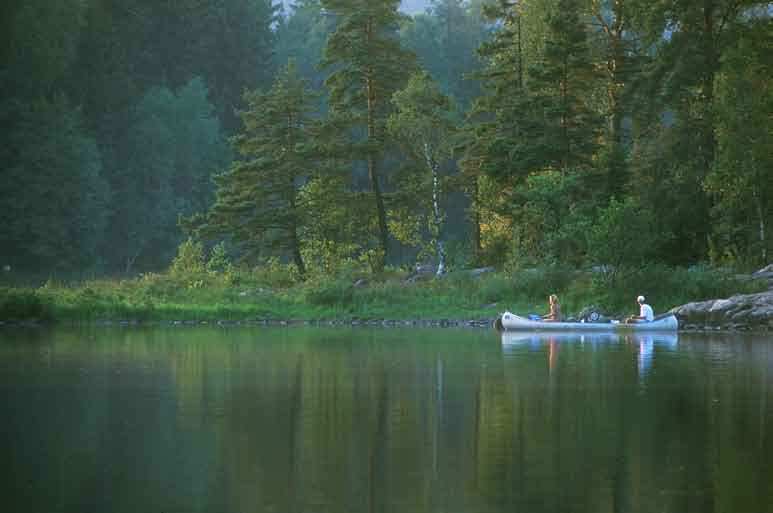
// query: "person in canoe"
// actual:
[[555, 310], [645, 312]]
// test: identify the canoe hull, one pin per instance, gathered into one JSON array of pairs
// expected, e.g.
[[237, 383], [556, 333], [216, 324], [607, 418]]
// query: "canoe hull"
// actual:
[[510, 322]]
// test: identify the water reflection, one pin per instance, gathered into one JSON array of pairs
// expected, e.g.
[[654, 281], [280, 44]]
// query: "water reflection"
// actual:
[[403, 421], [643, 344]]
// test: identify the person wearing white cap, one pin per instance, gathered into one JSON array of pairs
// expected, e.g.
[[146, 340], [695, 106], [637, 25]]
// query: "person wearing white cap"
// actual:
[[645, 312]]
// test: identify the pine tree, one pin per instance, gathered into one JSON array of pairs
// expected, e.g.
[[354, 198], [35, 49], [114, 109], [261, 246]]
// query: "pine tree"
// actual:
[[490, 130], [494, 114], [258, 204], [369, 66], [536, 126], [560, 87]]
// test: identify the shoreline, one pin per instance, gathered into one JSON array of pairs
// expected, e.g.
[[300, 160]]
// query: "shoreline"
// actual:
[[463, 299], [481, 323]]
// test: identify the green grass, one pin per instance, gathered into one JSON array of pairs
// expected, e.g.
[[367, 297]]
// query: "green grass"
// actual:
[[257, 294]]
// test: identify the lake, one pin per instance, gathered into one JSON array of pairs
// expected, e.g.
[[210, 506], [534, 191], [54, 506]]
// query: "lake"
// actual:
[[384, 420]]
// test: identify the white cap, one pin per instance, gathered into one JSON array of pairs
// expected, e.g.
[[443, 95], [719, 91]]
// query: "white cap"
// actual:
[[640, 299]]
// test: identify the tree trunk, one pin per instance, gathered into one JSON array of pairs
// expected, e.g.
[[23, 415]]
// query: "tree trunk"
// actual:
[[296, 249], [615, 63], [564, 122], [761, 227], [520, 55], [437, 219], [130, 260], [295, 245], [476, 242], [711, 68], [372, 163]]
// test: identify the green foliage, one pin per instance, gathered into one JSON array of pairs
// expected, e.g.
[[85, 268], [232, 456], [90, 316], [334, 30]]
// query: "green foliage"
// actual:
[[301, 36], [549, 224], [38, 45], [274, 290], [274, 274], [741, 178], [593, 116], [16, 304], [176, 144], [559, 85], [675, 106], [129, 146], [189, 260], [259, 198], [368, 66], [665, 287], [218, 259], [626, 235], [54, 200], [327, 291], [445, 40], [423, 125], [189, 266]]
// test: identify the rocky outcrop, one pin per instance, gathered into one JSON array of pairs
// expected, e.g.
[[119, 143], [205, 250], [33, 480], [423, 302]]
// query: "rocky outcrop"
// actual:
[[421, 273], [743, 311], [764, 274], [427, 272], [480, 271]]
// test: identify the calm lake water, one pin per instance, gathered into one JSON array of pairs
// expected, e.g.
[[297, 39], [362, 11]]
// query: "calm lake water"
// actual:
[[355, 420]]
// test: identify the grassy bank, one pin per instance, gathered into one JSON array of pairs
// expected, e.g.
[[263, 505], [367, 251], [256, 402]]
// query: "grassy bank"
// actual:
[[274, 292]]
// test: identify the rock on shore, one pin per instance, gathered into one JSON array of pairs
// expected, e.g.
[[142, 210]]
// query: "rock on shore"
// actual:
[[742, 311]]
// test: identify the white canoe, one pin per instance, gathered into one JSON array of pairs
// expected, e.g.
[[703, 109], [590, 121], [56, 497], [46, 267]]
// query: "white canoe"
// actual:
[[510, 321]]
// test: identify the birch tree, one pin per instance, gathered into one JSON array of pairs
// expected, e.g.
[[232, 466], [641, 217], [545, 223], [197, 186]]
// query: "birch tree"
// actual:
[[423, 125]]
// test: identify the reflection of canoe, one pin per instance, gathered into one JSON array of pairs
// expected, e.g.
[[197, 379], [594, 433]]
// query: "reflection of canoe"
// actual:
[[667, 340], [510, 321], [532, 338]]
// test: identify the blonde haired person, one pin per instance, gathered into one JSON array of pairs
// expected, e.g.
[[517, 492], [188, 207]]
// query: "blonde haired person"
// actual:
[[555, 310]]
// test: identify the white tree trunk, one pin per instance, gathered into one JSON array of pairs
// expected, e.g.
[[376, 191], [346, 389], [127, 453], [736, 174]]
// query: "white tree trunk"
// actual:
[[437, 219], [131, 259]]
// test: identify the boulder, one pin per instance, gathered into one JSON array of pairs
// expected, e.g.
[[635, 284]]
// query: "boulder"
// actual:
[[767, 270], [477, 273], [421, 273], [741, 311], [766, 273]]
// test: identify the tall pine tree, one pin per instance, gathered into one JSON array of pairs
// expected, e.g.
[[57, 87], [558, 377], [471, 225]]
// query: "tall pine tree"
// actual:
[[258, 202], [560, 89], [368, 65]]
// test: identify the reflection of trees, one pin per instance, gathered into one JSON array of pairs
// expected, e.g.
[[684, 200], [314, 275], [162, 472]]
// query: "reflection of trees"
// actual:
[[298, 420]]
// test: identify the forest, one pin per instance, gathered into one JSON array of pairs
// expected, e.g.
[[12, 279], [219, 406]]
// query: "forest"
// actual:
[[505, 133]]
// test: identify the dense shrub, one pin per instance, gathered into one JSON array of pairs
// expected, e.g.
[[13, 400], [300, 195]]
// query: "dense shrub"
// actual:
[[274, 274], [665, 287], [189, 266], [526, 286], [496, 288], [18, 304], [328, 292]]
